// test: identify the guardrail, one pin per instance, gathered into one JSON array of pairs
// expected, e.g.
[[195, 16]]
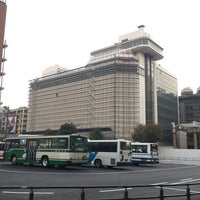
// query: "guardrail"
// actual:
[[124, 189]]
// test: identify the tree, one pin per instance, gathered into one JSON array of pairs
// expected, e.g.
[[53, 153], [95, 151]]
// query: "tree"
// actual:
[[153, 132], [139, 133], [147, 133], [67, 129], [96, 134]]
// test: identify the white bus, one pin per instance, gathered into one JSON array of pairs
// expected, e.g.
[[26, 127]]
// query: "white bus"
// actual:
[[143, 153], [60, 150], [109, 153]]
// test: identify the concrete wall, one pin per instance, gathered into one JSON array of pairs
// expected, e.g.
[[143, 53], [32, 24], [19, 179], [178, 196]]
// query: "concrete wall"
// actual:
[[170, 153]]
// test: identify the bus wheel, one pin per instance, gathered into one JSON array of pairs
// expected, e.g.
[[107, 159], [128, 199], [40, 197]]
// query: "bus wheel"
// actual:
[[98, 163], [45, 161], [14, 160]]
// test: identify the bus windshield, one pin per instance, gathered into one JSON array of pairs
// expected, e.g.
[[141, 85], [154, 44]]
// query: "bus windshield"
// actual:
[[154, 147], [125, 145], [78, 143]]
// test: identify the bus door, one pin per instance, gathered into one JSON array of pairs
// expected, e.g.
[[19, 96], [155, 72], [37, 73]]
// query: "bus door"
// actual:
[[125, 151], [7, 150], [31, 149]]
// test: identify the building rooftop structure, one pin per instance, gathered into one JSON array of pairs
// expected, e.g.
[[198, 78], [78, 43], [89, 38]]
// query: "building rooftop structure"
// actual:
[[137, 41], [186, 91], [55, 69]]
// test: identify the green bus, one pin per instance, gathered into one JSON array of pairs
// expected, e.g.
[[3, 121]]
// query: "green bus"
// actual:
[[60, 150]]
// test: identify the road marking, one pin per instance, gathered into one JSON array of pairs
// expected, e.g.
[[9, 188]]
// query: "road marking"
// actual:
[[115, 190], [185, 181], [177, 189], [14, 192], [180, 182], [163, 183]]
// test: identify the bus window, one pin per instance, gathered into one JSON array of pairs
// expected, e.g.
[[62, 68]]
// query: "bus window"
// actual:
[[103, 146], [44, 143], [2, 145], [144, 148], [54, 143], [139, 148], [23, 143], [63, 143], [15, 144]]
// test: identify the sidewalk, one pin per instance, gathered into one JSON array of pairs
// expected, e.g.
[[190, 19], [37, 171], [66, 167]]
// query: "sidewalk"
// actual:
[[184, 162]]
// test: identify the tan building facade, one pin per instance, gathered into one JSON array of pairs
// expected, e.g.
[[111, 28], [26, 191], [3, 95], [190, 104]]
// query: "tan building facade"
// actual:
[[112, 91]]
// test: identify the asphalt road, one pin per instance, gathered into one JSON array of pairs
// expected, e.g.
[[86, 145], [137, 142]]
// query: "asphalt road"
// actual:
[[131, 176]]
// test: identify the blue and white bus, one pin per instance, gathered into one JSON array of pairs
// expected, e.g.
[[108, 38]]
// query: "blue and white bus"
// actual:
[[109, 153], [144, 153]]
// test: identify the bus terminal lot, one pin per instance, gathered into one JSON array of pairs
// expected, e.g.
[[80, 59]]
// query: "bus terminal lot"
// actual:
[[163, 173]]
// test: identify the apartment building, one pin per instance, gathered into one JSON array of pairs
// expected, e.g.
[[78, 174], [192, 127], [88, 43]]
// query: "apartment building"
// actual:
[[13, 121]]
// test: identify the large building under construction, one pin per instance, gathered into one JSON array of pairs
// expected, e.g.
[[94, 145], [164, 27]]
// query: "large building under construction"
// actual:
[[118, 88]]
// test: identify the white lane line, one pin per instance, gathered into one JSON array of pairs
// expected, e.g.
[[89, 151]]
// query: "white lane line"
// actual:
[[177, 189], [185, 181], [115, 190], [162, 183], [14, 192]]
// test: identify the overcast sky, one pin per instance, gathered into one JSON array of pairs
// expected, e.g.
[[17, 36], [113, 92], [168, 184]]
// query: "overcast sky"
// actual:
[[42, 33]]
